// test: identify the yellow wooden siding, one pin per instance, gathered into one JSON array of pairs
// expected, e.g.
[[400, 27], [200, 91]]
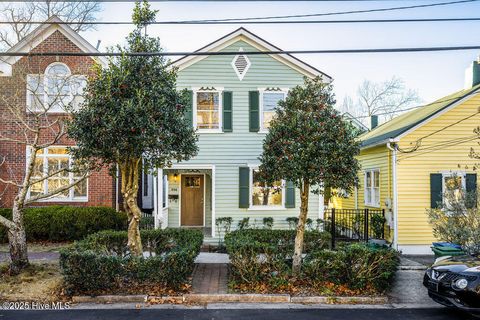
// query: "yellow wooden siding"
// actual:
[[372, 158], [414, 168]]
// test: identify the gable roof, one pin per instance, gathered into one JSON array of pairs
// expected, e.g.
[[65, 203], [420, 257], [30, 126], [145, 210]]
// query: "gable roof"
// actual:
[[38, 35], [258, 43], [400, 125]]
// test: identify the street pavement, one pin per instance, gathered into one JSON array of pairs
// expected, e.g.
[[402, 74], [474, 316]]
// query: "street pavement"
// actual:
[[239, 314]]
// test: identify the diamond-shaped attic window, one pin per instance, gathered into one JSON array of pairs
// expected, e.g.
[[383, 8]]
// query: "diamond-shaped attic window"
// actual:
[[241, 64]]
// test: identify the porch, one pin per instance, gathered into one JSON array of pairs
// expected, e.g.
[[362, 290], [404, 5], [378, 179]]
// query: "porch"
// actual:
[[182, 197]]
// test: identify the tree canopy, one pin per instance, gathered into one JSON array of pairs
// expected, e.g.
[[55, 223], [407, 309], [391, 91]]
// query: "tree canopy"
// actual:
[[309, 141]]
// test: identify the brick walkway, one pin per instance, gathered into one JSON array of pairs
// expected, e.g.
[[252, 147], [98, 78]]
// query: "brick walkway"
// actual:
[[210, 278]]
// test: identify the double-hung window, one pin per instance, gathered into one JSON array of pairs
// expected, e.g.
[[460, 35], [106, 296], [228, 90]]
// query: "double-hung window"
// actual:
[[208, 110], [263, 195], [53, 163], [54, 90], [453, 187], [269, 100], [372, 188]]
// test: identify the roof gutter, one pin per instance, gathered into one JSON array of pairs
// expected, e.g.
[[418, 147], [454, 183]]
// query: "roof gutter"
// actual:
[[392, 146]]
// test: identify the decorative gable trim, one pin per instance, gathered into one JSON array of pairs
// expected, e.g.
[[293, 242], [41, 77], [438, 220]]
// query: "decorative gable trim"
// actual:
[[241, 64], [41, 33], [258, 43]]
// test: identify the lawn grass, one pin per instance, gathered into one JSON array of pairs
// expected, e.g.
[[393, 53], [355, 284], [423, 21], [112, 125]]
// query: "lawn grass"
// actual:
[[39, 282]]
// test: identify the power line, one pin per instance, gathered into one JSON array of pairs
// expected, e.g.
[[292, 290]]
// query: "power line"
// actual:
[[448, 126], [440, 147], [348, 12], [249, 20], [208, 22], [233, 53]]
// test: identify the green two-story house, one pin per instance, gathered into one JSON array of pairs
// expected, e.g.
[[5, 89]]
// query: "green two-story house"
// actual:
[[233, 100]]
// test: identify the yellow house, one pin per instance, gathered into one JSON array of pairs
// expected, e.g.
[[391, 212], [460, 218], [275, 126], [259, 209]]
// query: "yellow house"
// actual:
[[407, 162]]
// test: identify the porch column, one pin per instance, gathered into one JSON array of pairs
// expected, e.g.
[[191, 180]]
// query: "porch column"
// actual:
[[158, 198], [213, 201], [321, 207]]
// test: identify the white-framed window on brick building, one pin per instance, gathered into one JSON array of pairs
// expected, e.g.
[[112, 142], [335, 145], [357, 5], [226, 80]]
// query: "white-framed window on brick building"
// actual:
[[54, 90], [49, 161]]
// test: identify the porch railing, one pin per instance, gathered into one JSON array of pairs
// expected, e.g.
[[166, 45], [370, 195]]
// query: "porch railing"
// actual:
[[147, 221], [354, 225]]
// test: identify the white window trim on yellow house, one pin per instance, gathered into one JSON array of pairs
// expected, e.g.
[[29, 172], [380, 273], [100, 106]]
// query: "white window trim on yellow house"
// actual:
[[371, 190]]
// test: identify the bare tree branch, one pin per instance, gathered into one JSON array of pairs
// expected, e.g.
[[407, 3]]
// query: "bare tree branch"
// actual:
[[69, 11]]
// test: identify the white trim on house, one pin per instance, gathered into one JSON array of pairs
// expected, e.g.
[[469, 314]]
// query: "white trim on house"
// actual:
[[247, 60], [262, 91], [55, 198], [243, 34], [262, 207], [37, 36], [180, 197], [210, 167], [218, 90], [366, 191]]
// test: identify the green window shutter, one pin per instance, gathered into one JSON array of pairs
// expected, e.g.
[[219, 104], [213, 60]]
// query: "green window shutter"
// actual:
[[471, 188], [290, 195], [189, 108], [244, 187], [227, 111], [254, 112], [436, 194]]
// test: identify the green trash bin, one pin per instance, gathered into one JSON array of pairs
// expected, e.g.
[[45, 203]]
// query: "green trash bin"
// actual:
[[446, 251]]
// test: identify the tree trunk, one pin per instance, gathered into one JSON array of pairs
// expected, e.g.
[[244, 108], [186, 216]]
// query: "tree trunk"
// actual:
[[129, 170], [297, 255], [17, 240]]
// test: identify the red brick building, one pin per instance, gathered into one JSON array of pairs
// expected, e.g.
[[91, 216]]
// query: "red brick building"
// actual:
[[17, 76]]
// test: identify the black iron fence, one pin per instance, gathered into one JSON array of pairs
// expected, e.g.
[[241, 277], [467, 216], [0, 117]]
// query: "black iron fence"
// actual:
[[147, 221], [354, 225]]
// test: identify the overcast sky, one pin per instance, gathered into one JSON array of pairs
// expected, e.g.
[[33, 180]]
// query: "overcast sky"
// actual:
[[433, 74]]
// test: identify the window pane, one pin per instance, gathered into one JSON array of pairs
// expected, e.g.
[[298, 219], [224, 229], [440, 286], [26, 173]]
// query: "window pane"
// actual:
[[55, 164], [37, 189], [270, 102], [80, 189], [208, 110], [369, 179], [35, 91], [263, 195], [38, 168], [57, 183], [57, 151], [376, 179], [453, 188]]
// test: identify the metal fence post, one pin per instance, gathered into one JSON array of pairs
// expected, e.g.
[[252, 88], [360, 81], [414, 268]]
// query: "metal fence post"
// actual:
[[366, 225], [332, 229]]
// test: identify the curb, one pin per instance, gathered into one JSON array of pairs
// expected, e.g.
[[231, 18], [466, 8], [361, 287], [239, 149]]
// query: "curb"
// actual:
[[412, 268], [199, 298]]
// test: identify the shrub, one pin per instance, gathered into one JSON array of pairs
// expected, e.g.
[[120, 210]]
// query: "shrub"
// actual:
[[292, 222], [65, 223], [268, 222], [102, 261], [357, 266], [261, 258], [243, 224], [263, 255]]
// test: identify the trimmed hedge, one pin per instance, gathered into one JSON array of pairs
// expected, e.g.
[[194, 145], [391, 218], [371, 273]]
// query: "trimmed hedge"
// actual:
[[263, 256], [261, 259], [358, 266], [102, 261], [66, 223]]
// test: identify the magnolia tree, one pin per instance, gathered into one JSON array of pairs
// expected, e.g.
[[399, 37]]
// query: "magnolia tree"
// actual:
[[310, 144], [35, 127], [133, 117]]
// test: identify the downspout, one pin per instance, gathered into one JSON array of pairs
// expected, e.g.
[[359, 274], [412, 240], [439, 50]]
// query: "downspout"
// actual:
[[395, 197]]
